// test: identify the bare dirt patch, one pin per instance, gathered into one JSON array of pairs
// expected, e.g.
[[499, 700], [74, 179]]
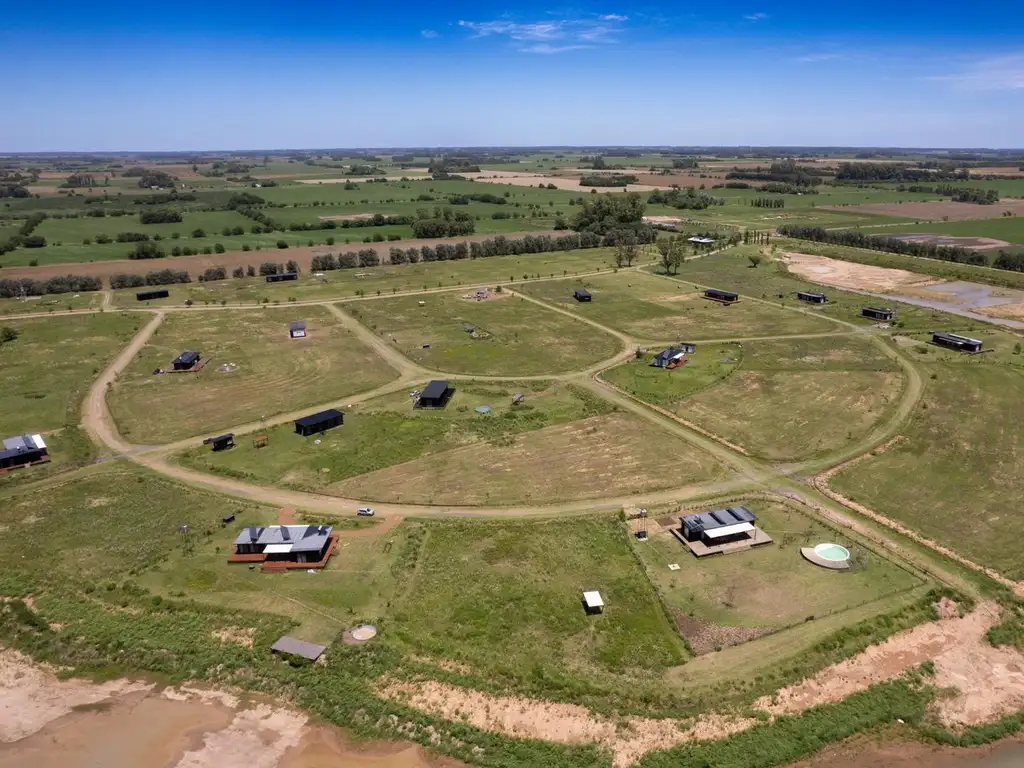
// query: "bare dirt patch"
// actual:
[[705, 637], [243, 637], [977, 243], [940, 210], [662, 219], [1010, 311], [847, 274], [629, 739], [347, 217]]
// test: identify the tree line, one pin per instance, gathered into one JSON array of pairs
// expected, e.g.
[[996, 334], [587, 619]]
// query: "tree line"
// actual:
[[855, 239], [26, 286], [958, 194], [783, 171], [898, 172], [608, 180], [768, 202], [690, 199]]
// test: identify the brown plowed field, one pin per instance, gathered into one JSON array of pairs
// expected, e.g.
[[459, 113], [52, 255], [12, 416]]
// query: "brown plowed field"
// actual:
[[935, 211], [196, 264]]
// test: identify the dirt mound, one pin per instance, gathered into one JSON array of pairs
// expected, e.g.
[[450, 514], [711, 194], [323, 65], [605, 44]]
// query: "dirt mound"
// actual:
[[847, 274]]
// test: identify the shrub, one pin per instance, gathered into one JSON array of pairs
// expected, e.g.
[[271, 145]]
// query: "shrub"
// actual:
[[282, 244], [218, 248]]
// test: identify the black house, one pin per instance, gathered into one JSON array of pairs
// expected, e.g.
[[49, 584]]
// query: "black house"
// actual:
[[722, 526], [22, 451], [725, 297], [959, 343], [162, 293], [813, 298], [297, 330], [581, 294], [221, 443], [319, 422], [186, 361], [878, 314], [435, 395], [282, 277]]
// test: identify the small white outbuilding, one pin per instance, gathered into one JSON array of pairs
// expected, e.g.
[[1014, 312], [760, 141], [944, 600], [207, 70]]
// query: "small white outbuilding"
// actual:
[[592, 602]]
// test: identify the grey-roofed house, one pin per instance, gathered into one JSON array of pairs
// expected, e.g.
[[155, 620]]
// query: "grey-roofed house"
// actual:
[[284, 543], [297, 330], [295, 647], [23, 450], [720, 530], [957, 342]]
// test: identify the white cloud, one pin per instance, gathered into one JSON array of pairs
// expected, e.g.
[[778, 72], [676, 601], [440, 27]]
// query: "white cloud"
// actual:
[[756, 16], [552, 36], [997, 73], [430, 34], [813, 58]]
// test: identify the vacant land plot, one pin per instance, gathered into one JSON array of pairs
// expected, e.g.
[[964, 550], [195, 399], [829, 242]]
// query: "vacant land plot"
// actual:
[[844, 274], [568, 442], [939, 210], [490, 594], [1005, 228], [254, 369], [53, 303], [602, 456], [952, 477], [721, 599], [504, 335], [650, 307], [45, 372]]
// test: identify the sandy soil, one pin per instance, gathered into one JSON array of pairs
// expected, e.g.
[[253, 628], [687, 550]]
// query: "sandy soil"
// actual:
[[866, 752], [1011, 311], [629, 739], [256, 738], [662, 220], [569, 183], [347, 217], [847, 274], [977, 243], [939, 210], [327, 748]]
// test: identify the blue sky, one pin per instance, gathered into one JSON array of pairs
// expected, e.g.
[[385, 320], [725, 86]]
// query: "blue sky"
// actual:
[[214, 75]]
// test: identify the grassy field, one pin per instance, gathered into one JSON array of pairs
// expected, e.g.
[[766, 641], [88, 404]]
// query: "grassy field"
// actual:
[[514, 337], [46, 371], [651, 307], [64, 302], [1008, 228], [490, 595], [272, 373], [706, 367], [954, 476], [381, 280], [768, 587], [570, 444]]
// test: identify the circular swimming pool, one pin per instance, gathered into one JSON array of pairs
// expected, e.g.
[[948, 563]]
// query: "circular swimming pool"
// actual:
[[832, 552]]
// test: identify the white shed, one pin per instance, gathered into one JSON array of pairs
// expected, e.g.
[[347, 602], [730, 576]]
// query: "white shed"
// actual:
[[592, 602]]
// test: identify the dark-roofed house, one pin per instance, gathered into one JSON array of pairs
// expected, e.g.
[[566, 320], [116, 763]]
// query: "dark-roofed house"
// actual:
[[319, 422], [672, 357], [282, 277], [285, 546], [725, 297], [161, 293], [186, 361], [221, 442], [22, 451], [435, 395], [712, 532], [957, 342], [811, 297], [878, 314], [581, 294], [295, 647], [297, 330]]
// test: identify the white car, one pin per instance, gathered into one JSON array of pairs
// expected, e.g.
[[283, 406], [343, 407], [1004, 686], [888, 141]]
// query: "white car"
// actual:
[[365, 511]]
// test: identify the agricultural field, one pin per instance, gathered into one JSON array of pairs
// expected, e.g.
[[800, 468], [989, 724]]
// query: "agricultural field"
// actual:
[[1007, 228], [57, 302], [956, 468], [787, 399], [503, 335], [254, 369], [653, 308], [726, 600], [571, 444], [536, 572], [379, 280], [48, 368]]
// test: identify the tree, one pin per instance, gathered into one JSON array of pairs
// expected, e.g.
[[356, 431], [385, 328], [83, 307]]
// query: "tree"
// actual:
[[671, 250], [756, 259], [604, 213], [626, 250], [7, 334]]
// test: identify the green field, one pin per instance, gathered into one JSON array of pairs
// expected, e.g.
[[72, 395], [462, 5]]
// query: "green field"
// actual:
[[768, 587], [57, 302], [514, 337], [706, 367], [272, 373], [1008, 228], [493, 595], [569, 443], [48, 368], [955, 475]]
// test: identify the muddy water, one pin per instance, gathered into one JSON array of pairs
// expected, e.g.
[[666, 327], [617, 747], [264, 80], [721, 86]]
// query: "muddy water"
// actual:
[[326, 747], [861, 753]]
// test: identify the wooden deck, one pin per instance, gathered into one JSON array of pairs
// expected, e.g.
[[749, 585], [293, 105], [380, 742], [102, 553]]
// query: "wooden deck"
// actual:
[[276, 566], [700, 549]]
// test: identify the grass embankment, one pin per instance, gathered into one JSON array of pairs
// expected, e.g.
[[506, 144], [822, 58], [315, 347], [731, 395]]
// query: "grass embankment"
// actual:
[[269, 372]]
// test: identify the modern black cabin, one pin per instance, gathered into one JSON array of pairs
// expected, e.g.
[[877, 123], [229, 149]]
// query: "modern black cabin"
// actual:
[[435, 395], [874, 313], [811, 297], [221, 442], [954, 341], [186, 361], [23, 450], [581, 294], [722, 526], [282, 277], [162, 293], [725, 297], [297, 330], [319, 422]]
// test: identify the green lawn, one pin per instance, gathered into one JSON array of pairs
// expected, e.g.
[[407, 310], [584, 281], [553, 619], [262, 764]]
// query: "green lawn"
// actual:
[[768, 587], [570, 443], [957, 475], [706, 367], [514, 336], [504, 598], [272, 373], [47, 370]]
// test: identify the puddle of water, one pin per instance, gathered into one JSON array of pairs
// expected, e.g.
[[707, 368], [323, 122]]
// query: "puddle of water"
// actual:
[[1009, 754], [325, 747]]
